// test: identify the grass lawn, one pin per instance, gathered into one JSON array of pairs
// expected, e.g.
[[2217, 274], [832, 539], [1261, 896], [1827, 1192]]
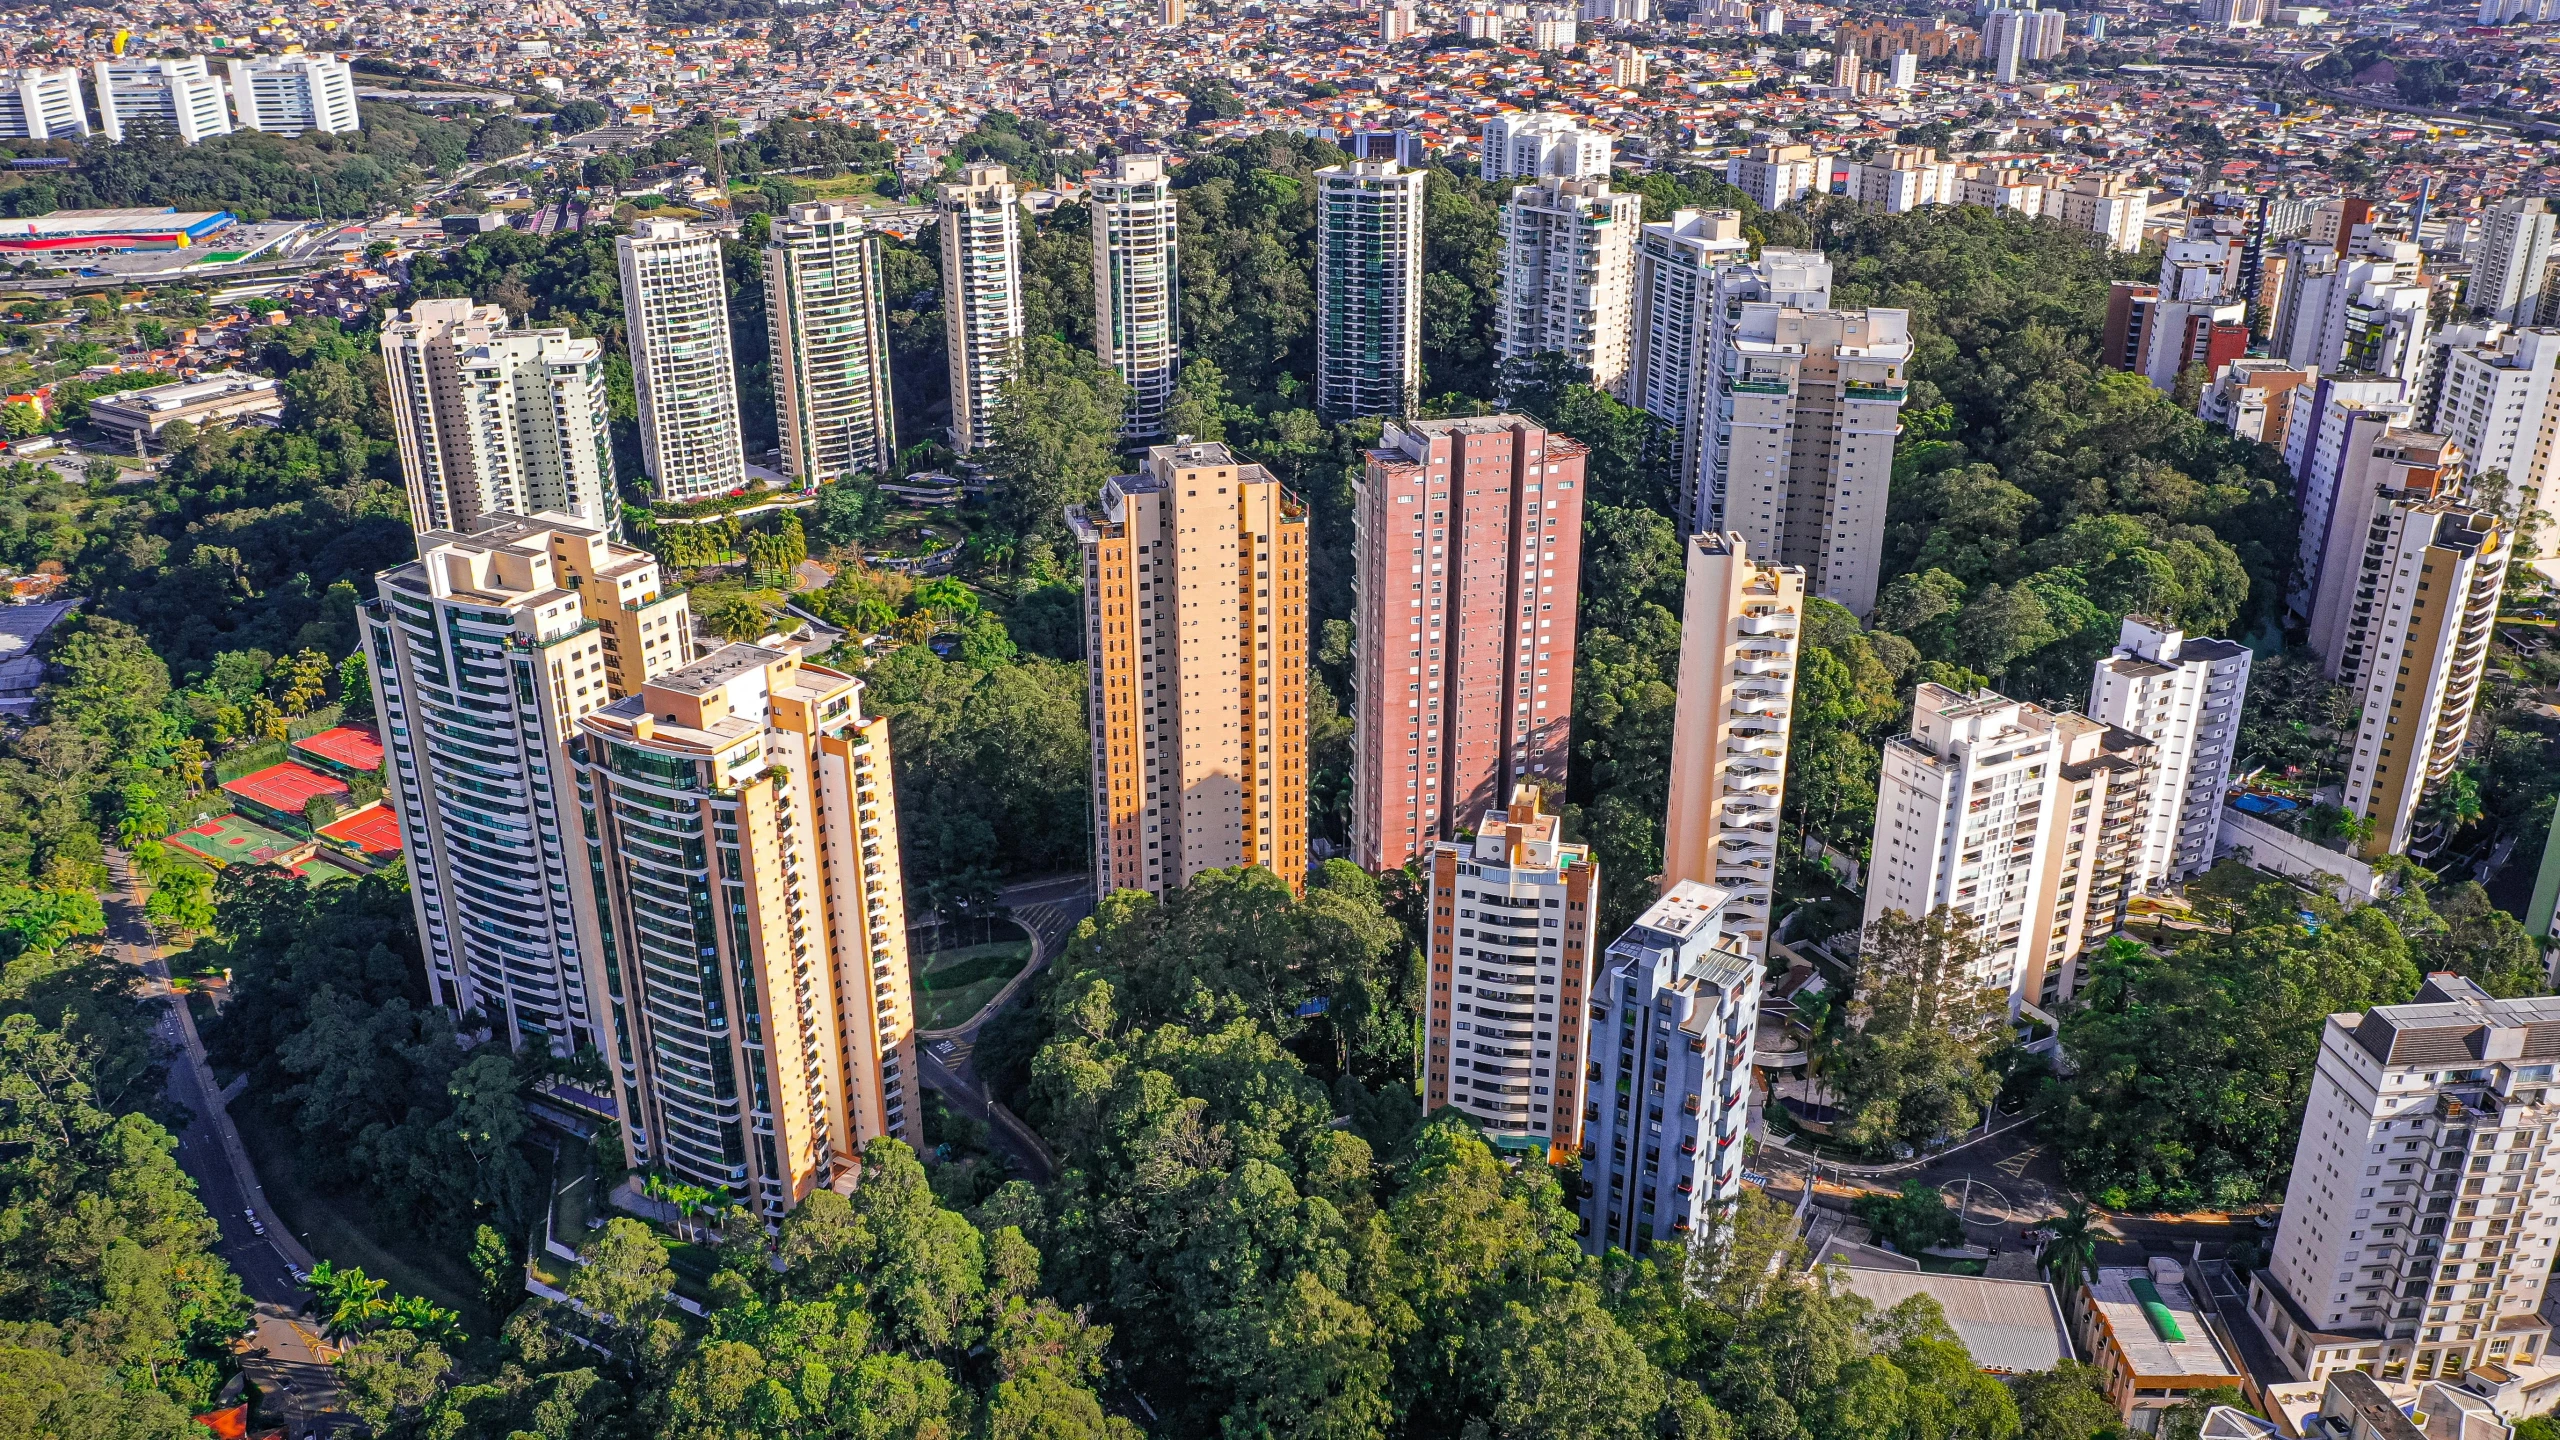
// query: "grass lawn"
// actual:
[[342, 1228], [836, 187], [951, 985]]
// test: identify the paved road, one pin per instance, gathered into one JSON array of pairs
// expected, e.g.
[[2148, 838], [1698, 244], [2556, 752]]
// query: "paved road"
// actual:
[[285, 1359], [1049, 909]]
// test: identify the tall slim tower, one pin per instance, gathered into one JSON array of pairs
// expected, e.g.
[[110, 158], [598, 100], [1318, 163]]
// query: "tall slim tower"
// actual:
[[981, 295], [1568, 276], [1368, 289], [1137, 319], [484, 654], [2184, 695], [1798, 278], [1195, 601], [2515, 250], [1548, 144], [740, 822], [1674, 319], [1468, 559], [497, 421], [675, 302], [1515, 917], [823, 300], [1739, 632]]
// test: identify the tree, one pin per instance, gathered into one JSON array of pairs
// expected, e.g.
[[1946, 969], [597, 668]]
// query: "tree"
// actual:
[[501, 1275], [1914, 1220], [1054, 436], [2067, 1402], [1912, 1069], [2072, 1254], [385, 1376], [1197, 407], [623, 1275]]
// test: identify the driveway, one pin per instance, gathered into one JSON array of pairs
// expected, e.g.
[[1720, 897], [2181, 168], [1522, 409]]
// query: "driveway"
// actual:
[[1049, 909], [286, 1358]]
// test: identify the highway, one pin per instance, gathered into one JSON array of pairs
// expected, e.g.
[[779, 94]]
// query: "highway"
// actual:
[[286, 1357]]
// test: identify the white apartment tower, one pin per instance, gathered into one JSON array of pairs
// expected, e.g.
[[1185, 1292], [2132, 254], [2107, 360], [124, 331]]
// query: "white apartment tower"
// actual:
[[2184, 696], [492, 420], [38, 104], [2515, 250], [289, 94], [1673, 1010], [741, 831], [2418, 1222], [1546, 145], [1673, 320], [1515, 913], [675, 305], [1568, 276], [1797, 278], [1739, 631], [1777, 175], [981, 295], [2331, 423], [1368, 289], [2496, 398], [1808, 405], [484, 654], [823, 295], [175, 94], [1137, 304]]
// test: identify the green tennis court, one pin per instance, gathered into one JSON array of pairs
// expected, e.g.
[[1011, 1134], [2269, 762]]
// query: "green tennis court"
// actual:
[[228, 839]]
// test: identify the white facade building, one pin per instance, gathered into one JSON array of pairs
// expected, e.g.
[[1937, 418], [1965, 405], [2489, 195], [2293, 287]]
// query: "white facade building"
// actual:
[[828, 319], [981, 226], [1776, 176], [484, 653], [1674, 1007], [2497, 400], [497, 421], [176, 95], [675, 303], [1137, 306], [2331, 423], [1568, 276], [2419, 1219], [1797, 278], [2184, 696], [2515, 251], [289, 94], [1368, 289], [1673, 321], [1546, 144], [1553, 28], [39, 104]]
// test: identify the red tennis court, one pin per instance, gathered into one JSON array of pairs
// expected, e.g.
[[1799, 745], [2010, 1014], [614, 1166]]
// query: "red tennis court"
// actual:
[[373, 829], [285, 788]]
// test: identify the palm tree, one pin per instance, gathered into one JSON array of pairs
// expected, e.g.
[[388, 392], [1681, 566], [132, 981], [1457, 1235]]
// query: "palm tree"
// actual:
[[2072, 1254], [423, 1318], [359, 1304]]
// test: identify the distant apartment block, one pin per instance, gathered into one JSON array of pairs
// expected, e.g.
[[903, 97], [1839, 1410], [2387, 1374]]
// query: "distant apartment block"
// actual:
[[675, 304], [1568, 276], [1467, 561], [825, 308], [1673, 320], [1514, 935], [289, 94], [1673, 1011], [40, 104], [1776, 176], [2507, 277], [1546, 145], [981, 228], [1739, 630], [492, 420], [1137, 314], [176, 95], [1368, 289], [2250, 397], [1195, 574], [2498, 399]]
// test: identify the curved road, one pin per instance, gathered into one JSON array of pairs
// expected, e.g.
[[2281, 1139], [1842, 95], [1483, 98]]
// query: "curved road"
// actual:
[[1049, 910], [286, 1357]]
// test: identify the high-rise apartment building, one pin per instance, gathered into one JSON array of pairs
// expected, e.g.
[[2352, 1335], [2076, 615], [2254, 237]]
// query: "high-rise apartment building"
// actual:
[[176, 95], [2417, 1223], [492, 420], [2386, 459], [1195, 603], [741, 831], [40, 104], [1777, 175], [1468, 559], [2108, 205], [1137, 318], [1673, 1011], [289, 94], [1739, 628], [2330, 428], [1801, 448], [1902, 178], [2515, 253], [981, 225], [1546, 145], [2498, 399], [2195, 318], [1979, 809], [2413, 647], [1514, 933], [2363, 310], [1568, 276], [1673, 320], [484, 654], [2252, 398], [675, 305], [1368, 289], [825, 308], [1800, 279], [2183, 694], [2233, 14]]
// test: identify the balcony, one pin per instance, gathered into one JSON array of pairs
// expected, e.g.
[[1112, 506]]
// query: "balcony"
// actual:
[[1781, 623]]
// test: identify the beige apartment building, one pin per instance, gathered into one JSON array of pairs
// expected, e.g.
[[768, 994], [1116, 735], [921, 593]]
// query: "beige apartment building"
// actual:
[[742, 834], [2095, 820], [1196, 631], [981, 294], [1739, 631]]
